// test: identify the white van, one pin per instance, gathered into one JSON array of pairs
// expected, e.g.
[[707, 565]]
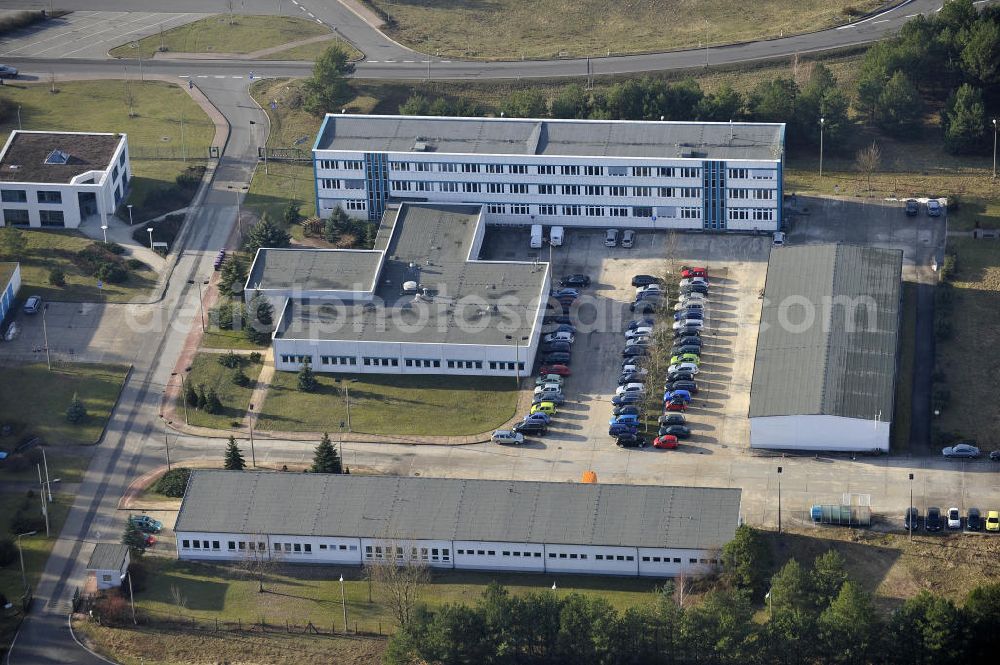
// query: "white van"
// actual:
[[556, 234], [536, 236]]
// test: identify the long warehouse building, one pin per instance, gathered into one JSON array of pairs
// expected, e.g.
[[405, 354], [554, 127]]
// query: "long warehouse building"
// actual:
[[590, 173], [824, 375], [542, 527]]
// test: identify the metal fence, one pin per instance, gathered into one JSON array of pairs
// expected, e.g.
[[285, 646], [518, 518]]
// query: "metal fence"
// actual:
[[168, 152]]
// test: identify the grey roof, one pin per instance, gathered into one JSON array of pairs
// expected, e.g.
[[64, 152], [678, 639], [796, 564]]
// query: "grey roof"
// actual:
[[831, 367], [26, 156], [429, 244], [455, 509], [552, 138], [108, 556], [314, 269]]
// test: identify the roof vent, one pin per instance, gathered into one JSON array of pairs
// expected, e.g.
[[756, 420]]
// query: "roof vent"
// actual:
[[57, 157], [14, 167]]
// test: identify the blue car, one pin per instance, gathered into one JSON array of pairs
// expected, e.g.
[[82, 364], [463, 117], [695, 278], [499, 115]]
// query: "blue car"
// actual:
[[628, 409], [626, 398], [538, 417], [565, 292], [640, 323], [688, 314], [624, 418], [674, 395], [619, 429]]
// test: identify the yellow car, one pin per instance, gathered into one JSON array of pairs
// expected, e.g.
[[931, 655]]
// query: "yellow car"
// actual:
[[993, 521], [544, 407]]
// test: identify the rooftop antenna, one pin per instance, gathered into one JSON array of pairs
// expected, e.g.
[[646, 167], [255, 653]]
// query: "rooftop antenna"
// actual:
[[731, 130]]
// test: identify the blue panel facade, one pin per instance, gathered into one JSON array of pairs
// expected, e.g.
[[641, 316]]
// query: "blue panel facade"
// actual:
[[713, 214], [6, 300], [377, 181]]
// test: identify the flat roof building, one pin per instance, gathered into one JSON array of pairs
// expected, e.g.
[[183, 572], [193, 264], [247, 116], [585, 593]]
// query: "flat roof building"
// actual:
[[454, 523], [670, 175], [108, 564], [825, 368], [59, 179], [420, 302]]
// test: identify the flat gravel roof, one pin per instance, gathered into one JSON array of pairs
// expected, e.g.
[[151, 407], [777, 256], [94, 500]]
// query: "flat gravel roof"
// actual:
[[24, 160]]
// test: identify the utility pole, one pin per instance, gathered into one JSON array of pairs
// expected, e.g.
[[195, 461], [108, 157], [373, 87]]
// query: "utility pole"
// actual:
[[166, 442], [253, 455], [912, 525], [45, 337], [20, 552], [48, 483], [779, 499], [994, 140], [131, 597], [343, 601], [822, 122]]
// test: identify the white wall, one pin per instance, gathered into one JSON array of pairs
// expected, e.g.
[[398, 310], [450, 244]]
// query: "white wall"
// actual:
[[806, 432]]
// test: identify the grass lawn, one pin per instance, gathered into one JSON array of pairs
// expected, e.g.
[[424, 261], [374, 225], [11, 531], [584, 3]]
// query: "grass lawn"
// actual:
[[970, 355], [547, 28], [286, 181], [36, 400], [222, 34], [56, 249], [67, 464], [314, 50], [389, 404], [228, 339], [208, 371], [904, 376]]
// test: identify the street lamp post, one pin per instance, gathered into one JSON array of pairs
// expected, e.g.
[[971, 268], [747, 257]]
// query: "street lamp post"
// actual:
[[994, 144], [183, 396], [45, 337], [129, 206], [779, 499], [201, 304], [343, 601], [104, 228], [822, 123], [20, 553], [19, 118], [166, 442], [910, 506], [517, 358], [253, 455], [138, 51], [150, 230], [239, 216]]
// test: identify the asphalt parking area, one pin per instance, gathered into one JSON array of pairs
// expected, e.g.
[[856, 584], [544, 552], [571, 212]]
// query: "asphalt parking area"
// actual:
[[87, 34]]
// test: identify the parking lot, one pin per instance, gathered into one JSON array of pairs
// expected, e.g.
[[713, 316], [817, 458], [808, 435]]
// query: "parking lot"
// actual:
[[718, 414]]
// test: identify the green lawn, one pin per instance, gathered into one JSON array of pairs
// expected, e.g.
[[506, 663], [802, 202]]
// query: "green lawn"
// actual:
[[314, 50], [36, 400], [389, 404], [301, 594], [67, 464], [546, 28], [208, 371], [286, 181], [222, 34], [904, 375], [228, 339]]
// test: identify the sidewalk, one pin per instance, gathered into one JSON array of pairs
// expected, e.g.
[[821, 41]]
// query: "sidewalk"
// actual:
[[120, 232], [253, 55]]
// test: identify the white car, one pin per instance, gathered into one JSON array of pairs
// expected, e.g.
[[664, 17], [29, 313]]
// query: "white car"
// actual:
[[690, 305], [628, 238], [549, 379], [507, 436], [954, 519], [559, 337], [695, 324], [548, 389], [691, 368], [691, 281], [638, 332], [637, 388], [635, 369], [611, 238]]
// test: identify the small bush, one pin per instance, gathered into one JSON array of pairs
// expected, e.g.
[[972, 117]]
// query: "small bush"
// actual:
[[57, 277], [255, 357], [76, 412], [136, 264], [112, 609], [229, 360], [313, 228], [949, 266], [173, 483], [112, 273], [240, 377], [190, 178], [111, 247]]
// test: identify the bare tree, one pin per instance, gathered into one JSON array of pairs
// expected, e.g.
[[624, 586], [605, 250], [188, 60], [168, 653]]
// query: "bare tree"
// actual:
[[52, 83], [257, 562], [398, 579], [868, 161], [179, 600]]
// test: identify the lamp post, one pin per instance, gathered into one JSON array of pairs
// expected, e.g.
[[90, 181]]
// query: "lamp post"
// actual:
[[822, 123], [138, 52], [129, 206], [149, 229], [19, 118], [779, 499], [166, 443], [912, 525], [20, 553], [201, 304], [239, 216], [253, 455], [45, 337], [517, 358], [343, 601], [183, 394], [994, 143], [104, 228]]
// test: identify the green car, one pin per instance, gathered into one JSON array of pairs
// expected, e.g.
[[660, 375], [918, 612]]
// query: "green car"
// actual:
[[146, 523], [686, 358]]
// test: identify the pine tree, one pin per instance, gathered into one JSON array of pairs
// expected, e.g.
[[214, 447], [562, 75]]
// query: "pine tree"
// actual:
[[212, 403], [326, 459], [307, 380], [233, 273], [234, 456], [202, 396], [134, 538], [190, 395], [76, 411]]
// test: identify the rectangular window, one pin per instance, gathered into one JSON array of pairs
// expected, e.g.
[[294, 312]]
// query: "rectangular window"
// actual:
[[322, 546], [355, 204], [645, 558], [677, 559], [537, 554], [618, 212], [519, 209], [196, 544], [763, 194], [757, 174], [496, 208], [518, 188], [630, 558], [690, 172], [448, 167], [49, 196], [14, 217], [618, 190], [399, 166], [330, 183], [328, 163], [215, 544], [642, 191], [494, 168], [491, 552], [642, 211], [277, 547], [518, 168], [185, 543], [354, 165], [690, 213], [572, 190], [642, 171], [308, 547], [595, 211], [599, 557], [573, 211], [344, 547], [572, 556], [449, 186], [546, 210], [470, 187], [13, 196], [593, 190], [620, 557], [470, 168], [665, 171], [401, 185], [692, 560], [288, 547], [552, 555], [739, 174], [232, 544], [593, 170], [562, 555], [569, 170], [665, 192], [494, 188], [546, 169], [617, 170], [422, 186], [546, 189]]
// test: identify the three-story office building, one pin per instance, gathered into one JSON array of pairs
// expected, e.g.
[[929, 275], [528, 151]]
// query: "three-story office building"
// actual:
[[598, 173]]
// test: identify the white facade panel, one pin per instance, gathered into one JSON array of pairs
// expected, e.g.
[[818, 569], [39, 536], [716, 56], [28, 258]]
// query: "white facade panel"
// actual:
[[819, 432], [480, 555]]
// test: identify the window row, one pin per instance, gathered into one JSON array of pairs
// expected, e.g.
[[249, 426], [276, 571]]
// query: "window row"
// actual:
[[338, 360], [380, 362], [752, 174], [465, 364], [677, 559], [396, 552], [21, 196], [342, 164], [421, 362], [755, 214], [200, 544], [496, 364], [538, 169], [537, 555], [50, 218], [521, 188], [755, 194], [291, 358], [614, 557], [337, 183]]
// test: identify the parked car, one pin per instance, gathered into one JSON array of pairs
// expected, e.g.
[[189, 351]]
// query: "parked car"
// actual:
[[556, 359], [557, 318], [993, 521], [631, 388], [631, 441], [694, 281], [627, 410], [628, 238], [954, 519], [912, 207], [994, 455], [674, 406], [531, 427], [932, 522], [911, 520], [627, 398], [565, 292], [689, 340], [549, 378], [561, 370], [778, 240], [8, 72], [149, 540], [933, 208], [631, 377], [693, 271], [680, 431], [673, 377], [689, 305], [561, 327], [624, 418], [544, 407], [556, 398], [690, 368], [146, 524], [611, 238], [507, 436], [973, 520], [962, 450], [641, 323], [548, 388], [689, 315], [643, 280], [578, 280], [655, 287], [551, 338], [637, 332], [644, 306], [666, 441], [689, 386], [651, 294], [633, 350], [694, 288], [671, 419], [642, 340], [686, 358], [695, 324], [637, 372], [674, 395], [631, 364], [687, 332], [682, 349], [539, 416], [621, 429], [32, 304]]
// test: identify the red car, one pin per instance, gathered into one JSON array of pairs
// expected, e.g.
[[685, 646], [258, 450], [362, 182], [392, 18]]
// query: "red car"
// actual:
[[667, 441], [150, 540], [674, 406], [561, 370], [693, 271]]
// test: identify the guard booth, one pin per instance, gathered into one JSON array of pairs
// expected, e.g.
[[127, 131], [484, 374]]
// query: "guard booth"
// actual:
[[107, 566]]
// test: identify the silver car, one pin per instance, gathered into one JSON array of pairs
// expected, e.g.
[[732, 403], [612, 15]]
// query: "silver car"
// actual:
[[8, 72], [611, 238], [961, 450], [628, 238]]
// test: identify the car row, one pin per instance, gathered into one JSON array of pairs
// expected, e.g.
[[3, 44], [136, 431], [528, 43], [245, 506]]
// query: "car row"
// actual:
[[611, 238], [935, 521], [912, 207]]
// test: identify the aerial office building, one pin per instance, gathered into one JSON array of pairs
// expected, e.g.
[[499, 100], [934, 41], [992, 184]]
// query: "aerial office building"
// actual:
[[57, 180], [542, 527], [590, 173]]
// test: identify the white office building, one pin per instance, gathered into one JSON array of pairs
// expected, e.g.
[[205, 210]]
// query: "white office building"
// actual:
[[420, 302], [59, 179], [449, 523], [589, 173]]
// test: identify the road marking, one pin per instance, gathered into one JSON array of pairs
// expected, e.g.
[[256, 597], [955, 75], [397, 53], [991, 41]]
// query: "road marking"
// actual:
[[447, 61], [911, 15], [236, 77], [407, 61], [311, 15], [373, 61], [885, 20], [319, 21], [390, 61], [183, 76], [203, 76], [295, 2], [218, 77]]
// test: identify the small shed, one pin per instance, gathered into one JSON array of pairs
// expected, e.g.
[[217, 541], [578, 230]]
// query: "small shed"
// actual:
[[108, 564]]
